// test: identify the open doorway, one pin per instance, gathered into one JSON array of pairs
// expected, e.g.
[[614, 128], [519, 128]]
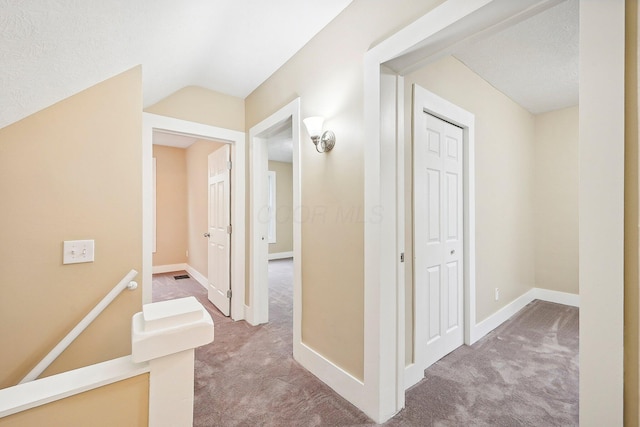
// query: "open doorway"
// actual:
[[384, 163], [280, 194], [192, 215], [192, 144], [275, 232], [280, 228], [526, 168]]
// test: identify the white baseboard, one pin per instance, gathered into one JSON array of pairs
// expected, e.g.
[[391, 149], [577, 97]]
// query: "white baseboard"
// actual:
[[159, 269], [248, 316], [199, 277], [280, 255], [499, 317], [335, 377], [413, 373], [557, 297]]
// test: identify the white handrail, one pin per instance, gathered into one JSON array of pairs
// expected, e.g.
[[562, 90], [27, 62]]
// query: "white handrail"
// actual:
[[126, 282]]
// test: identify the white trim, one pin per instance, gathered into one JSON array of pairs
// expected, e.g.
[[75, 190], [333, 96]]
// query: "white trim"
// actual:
[[195, 274], [505, 313], [258, 249], [154, 207], [391, 95], [204, 282], [153, 122], [557, 297], [168, 268], [280, 255], [342, 382], [499, 317], [400, 230], [56, 387], [414, 373], [248, 316], [443, 109], [447, 24], [271, 178]]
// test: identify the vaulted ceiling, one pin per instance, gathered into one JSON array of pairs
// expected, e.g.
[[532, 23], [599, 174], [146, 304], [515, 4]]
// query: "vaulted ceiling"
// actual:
[[52, 49]]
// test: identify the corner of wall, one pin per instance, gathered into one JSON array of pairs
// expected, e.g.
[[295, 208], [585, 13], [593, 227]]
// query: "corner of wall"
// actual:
[[632, 213]]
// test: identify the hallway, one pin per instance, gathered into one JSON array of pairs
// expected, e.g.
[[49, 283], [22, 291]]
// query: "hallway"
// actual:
[[525, 373], [247, 376]]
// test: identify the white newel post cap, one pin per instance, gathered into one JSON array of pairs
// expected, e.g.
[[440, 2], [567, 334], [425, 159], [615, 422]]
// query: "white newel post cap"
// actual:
[[169, 327]]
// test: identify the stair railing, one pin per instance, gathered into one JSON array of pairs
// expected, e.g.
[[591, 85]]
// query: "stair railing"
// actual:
[[126, 282]]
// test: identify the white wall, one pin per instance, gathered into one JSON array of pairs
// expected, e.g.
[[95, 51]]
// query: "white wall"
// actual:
[[601, 204]]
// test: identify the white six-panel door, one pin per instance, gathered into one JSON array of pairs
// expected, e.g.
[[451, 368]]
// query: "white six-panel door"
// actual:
[[219, 232], [438, 236]]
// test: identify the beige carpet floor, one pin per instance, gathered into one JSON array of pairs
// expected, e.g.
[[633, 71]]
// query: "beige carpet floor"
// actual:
[[525, 373]]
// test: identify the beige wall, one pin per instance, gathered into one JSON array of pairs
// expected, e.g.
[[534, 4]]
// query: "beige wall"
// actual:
[[333, 183], [213, 108], [124, 403], [556, 200], [631, 243], [183, 204], [198, 196], [171, 205], [197, 104], [71, 171], [504, 144], [284, 207]]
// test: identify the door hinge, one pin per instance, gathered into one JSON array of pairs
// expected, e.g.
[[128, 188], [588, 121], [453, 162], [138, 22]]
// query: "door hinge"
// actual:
[[229, 294], [229, 165], [228, 229], [402, 257]]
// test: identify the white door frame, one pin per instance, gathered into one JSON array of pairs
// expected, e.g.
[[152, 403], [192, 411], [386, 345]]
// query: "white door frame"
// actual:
[[443, 109], [258, 309], [449, 23], [151, 122]]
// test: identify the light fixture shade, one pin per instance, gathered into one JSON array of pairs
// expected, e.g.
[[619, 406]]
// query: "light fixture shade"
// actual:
[[314, 125]]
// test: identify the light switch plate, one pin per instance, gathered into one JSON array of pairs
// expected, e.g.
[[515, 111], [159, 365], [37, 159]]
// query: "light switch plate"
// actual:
[[77, 251]]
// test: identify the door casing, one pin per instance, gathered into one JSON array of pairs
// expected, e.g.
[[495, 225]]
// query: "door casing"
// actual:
[[437, 106], [151, 122], [424, 40], [257, 312]]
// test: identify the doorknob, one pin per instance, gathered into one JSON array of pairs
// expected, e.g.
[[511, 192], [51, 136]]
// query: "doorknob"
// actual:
[[207, 235], [453, 251]]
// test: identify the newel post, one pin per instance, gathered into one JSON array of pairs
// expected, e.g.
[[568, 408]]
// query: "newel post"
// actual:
[[165, 334]]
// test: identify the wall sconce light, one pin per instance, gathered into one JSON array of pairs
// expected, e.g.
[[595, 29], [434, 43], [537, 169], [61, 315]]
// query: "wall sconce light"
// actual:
[[323, 141]]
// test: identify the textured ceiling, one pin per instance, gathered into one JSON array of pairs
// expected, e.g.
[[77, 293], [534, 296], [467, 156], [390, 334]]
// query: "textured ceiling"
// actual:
[[535, 62], [52, 49], [280, 145]]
